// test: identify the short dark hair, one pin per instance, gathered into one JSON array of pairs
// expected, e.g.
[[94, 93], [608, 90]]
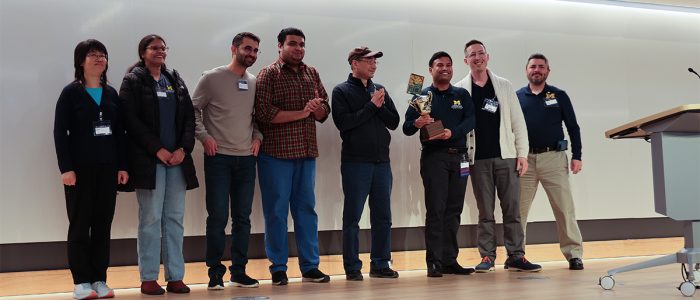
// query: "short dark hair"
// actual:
[[81, 52], [439, 54], [537, 56], [472, 42], [143, 44], [238, 39], [282, 36]]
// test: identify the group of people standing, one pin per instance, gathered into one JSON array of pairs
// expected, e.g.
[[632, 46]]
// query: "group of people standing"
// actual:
[[141, 139]]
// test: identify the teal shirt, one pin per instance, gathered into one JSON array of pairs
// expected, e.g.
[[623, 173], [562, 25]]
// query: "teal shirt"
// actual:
[[96, 94]]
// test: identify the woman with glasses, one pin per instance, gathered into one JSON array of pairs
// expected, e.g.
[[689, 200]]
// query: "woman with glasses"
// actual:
[[160, 122], [91, 151]]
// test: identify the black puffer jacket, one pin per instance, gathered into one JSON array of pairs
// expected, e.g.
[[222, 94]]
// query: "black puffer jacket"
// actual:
[[142, 118]]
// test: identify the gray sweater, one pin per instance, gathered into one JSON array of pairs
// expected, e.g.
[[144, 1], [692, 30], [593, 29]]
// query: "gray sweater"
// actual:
[[225, 112]]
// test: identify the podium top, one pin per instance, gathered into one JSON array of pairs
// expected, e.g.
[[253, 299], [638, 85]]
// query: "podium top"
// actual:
[[634, 129]]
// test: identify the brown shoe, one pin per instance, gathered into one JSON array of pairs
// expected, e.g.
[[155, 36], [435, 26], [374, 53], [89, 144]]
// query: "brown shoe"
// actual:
[[151, 288], [177, 287]]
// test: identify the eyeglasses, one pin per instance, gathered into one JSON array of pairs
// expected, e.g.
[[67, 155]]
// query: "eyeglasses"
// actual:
[[370, 61], [158, 48], [97, 56]]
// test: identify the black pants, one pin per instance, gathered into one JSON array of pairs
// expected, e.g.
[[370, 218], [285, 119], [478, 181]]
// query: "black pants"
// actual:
[[444, 200], [90, 205]]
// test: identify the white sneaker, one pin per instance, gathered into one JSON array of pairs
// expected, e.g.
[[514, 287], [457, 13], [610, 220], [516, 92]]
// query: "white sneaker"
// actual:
[[84, 291], [103, 291]]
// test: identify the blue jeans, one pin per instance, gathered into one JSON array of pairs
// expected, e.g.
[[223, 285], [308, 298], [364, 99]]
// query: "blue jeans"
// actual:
[[359, 180], [227, 177], [285, 184], [161, 211]]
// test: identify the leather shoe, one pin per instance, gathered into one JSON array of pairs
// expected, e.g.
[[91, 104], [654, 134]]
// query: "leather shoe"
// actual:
[[575, 264], [457, 270], [434, 271]]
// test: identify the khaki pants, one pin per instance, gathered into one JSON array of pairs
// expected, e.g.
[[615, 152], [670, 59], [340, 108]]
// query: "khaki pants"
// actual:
[[551, 168]]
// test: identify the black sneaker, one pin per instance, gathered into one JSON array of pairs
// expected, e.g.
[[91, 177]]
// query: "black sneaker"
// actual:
[[383, 273], [279, 278], [354, 276], [521, 264], [434, 271], [575, 264], [315, 275], [457, 270], [215, 282], [244, 281]]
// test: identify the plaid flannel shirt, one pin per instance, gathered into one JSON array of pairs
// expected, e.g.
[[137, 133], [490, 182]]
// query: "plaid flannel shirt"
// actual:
[[279, 87]]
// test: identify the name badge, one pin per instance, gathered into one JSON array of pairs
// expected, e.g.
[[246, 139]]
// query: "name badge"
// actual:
[[550, 102], [490, 105], [101, 128], [162, 94], [463, 166], [242, 85]]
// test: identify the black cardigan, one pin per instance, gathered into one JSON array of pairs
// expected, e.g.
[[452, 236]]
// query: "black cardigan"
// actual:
[[73, 135], [142, 119]]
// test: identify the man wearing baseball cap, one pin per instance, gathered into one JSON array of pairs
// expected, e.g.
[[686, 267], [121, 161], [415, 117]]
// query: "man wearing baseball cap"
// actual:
[[363, 112]]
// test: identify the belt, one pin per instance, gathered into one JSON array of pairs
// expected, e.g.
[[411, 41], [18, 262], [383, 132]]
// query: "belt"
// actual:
[[538, 150], [459, 150]]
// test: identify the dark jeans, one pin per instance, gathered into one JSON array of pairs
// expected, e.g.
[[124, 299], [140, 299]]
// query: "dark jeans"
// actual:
[[90, 206], [359, 181], [444, 200], [228, 177], [498, 176]]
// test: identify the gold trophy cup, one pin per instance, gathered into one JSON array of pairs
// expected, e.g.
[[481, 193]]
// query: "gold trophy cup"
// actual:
[[423, 105]]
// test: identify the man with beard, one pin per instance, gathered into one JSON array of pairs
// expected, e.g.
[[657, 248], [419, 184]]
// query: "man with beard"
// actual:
[[289, 100], [364, 113], [498, 149], [223, 102], [545, 108], [443, 166]]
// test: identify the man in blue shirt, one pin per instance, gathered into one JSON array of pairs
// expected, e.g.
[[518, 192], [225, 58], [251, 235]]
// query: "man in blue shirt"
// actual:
[[545, 108], [443, 165]]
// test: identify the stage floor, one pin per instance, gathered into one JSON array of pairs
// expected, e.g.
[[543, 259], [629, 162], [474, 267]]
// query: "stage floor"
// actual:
[[554, 282]]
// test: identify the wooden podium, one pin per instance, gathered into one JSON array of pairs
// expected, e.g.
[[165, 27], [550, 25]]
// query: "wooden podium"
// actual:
[[675, 149]]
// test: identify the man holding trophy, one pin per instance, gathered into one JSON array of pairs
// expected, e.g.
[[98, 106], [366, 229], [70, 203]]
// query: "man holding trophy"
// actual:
[[444, 114]]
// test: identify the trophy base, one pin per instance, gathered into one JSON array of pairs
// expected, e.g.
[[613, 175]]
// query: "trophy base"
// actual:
[[431, 130]]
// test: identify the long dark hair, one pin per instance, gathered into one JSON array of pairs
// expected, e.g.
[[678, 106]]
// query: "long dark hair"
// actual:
[[143, 44], [81, 52]]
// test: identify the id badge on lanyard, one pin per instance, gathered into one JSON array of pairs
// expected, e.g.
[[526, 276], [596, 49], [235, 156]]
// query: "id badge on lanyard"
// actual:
[[464, 166], [101, 127], [490, 105]]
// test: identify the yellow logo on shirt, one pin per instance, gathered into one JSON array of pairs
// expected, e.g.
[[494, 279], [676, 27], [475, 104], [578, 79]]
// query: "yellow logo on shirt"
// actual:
[[456, 104], [550, 95]]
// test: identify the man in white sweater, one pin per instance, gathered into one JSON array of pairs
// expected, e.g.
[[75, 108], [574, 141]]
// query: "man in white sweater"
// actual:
[[497, 163], [223, 102]]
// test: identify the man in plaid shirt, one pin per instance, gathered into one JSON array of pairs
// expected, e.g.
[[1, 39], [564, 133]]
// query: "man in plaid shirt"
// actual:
[[289, 99]]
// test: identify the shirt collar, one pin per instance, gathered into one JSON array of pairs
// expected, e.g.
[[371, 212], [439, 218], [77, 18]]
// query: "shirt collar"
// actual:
[[357, 81], [447, 91], [529, 92], [282, 65]]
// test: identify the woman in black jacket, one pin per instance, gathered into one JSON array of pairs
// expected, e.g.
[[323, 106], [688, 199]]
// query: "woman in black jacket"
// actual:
[[160, 123], [91, 151]]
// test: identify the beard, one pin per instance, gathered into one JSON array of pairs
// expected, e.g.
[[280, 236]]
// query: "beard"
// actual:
[[243, 60], [537, 81]]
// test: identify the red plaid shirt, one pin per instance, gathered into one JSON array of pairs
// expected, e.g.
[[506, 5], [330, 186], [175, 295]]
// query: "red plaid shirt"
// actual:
[[279, 87]]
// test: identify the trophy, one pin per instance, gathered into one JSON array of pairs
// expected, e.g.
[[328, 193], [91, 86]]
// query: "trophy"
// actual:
[[423, 105]]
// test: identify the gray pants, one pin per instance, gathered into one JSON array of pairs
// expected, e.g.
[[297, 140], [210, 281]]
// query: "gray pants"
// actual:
[[491, 176]]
